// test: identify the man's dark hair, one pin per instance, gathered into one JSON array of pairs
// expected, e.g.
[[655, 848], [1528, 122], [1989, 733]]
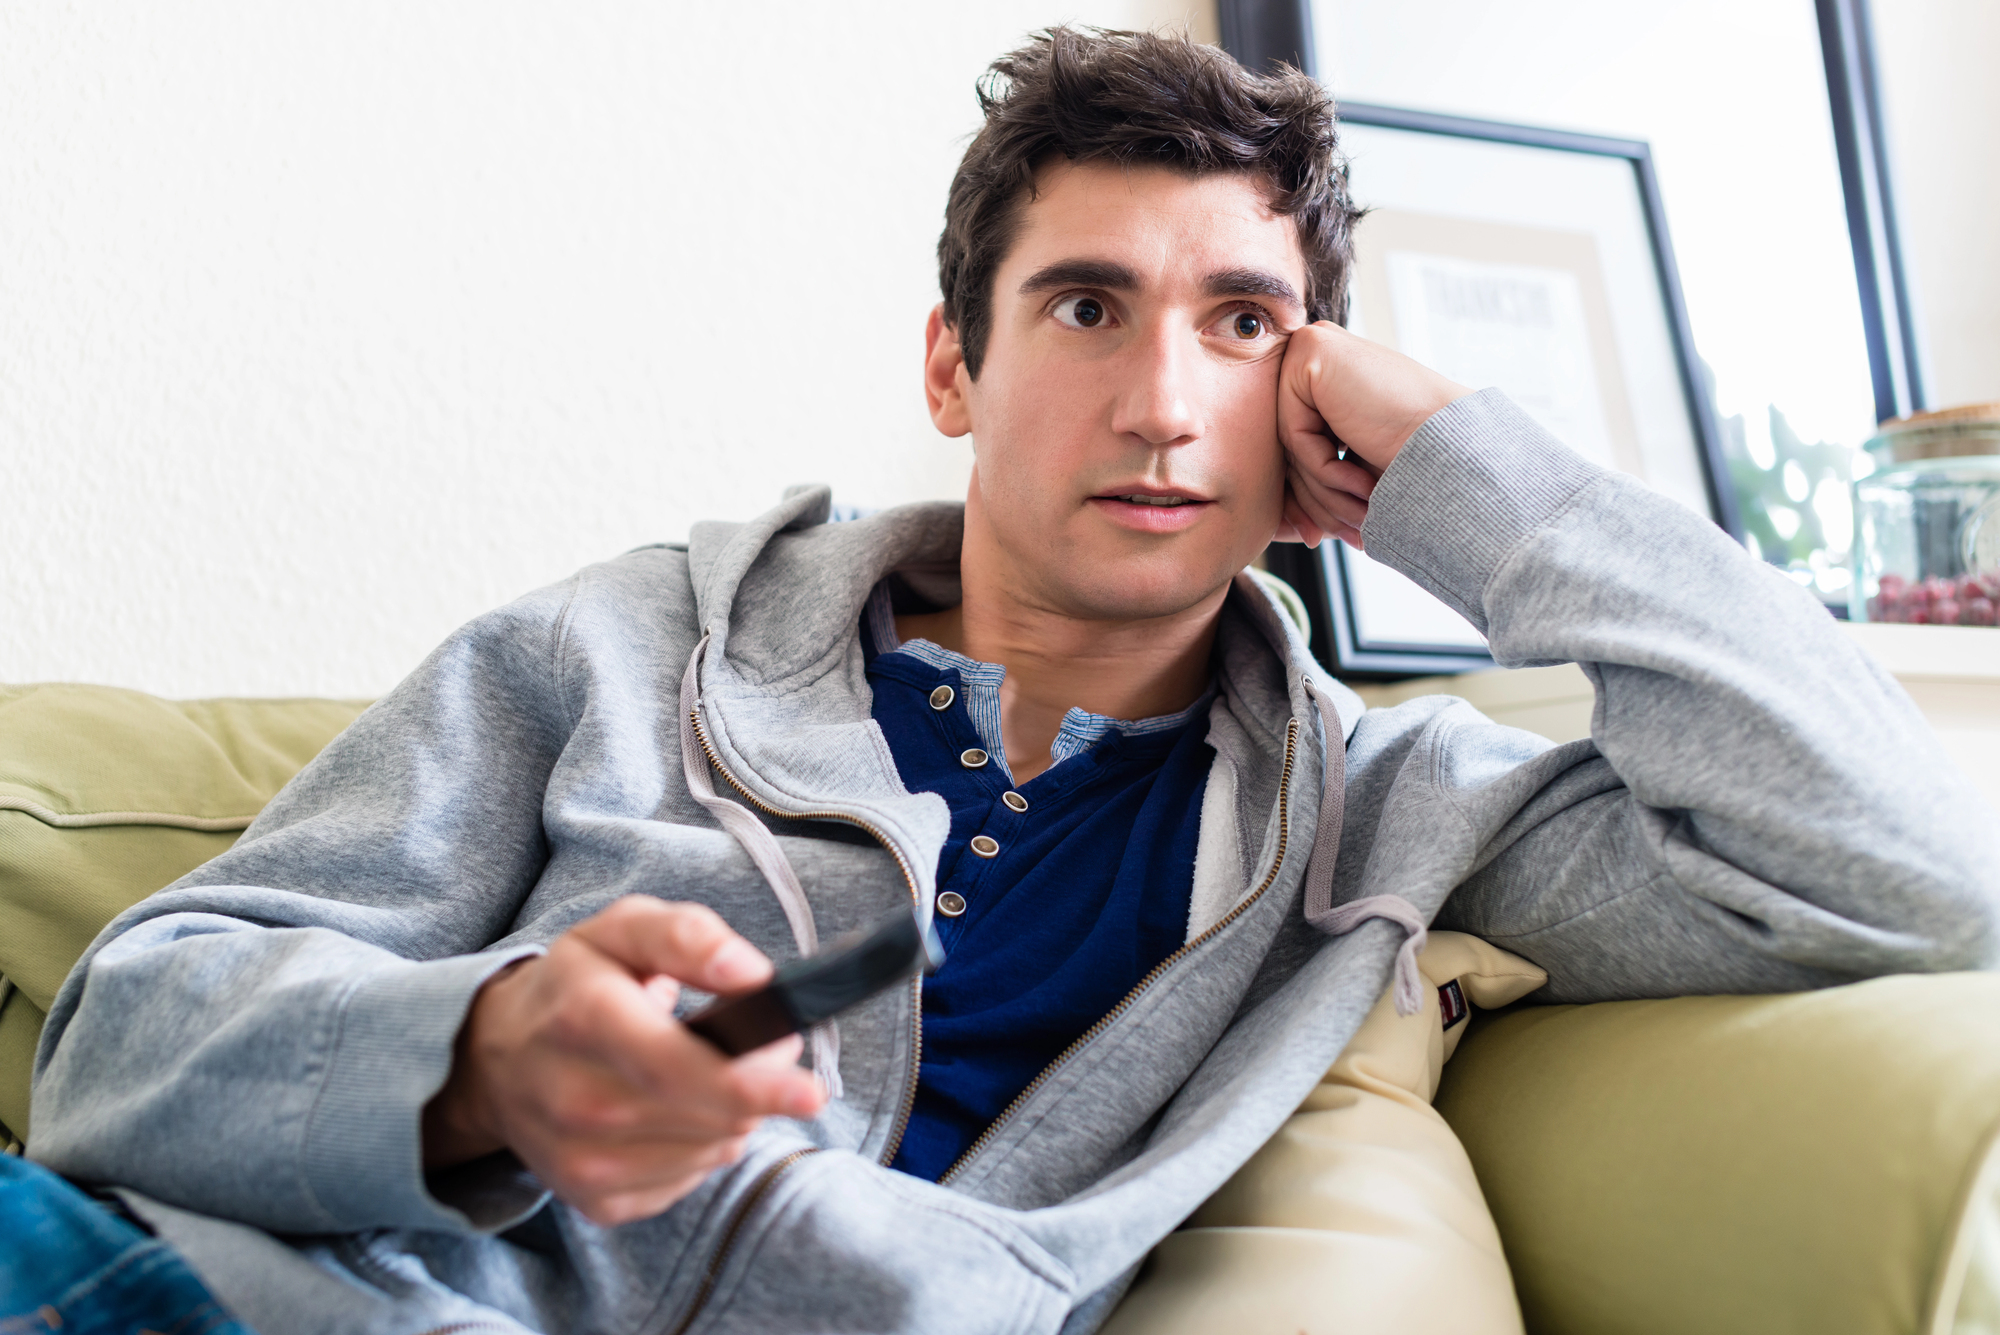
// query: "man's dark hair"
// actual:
[[1089, 95]]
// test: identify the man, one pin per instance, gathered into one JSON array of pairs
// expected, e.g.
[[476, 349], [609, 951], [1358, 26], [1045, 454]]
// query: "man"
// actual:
[[1175, 864]]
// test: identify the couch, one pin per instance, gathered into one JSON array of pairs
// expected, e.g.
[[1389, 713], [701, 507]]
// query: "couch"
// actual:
[[1821, 1162]]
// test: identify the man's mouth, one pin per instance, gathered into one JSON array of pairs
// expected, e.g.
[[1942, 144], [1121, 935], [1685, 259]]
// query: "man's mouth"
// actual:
[[1150, 511]]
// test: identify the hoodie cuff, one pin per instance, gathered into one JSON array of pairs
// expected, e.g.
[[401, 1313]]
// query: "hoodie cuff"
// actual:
[[1476, 480], [364, 1144]]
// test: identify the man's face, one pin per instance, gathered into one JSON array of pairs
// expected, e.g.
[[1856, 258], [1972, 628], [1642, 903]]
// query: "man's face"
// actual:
[[1124, 422]]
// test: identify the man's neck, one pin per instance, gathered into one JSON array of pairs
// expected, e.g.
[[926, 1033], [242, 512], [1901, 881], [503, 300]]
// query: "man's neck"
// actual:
[[1121, 669]]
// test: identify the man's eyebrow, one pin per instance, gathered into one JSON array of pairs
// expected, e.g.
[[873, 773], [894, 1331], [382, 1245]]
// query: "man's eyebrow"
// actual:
[[1250, 283], [1081, 273]]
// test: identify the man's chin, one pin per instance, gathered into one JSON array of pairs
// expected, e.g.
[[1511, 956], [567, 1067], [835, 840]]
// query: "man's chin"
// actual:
[[1089, 570], [1110, 592]]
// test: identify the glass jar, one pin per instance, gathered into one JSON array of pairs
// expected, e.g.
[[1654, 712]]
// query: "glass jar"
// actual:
[[1927, 521]]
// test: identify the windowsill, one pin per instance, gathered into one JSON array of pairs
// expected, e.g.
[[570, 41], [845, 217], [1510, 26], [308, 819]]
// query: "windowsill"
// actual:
[[1932, 653]]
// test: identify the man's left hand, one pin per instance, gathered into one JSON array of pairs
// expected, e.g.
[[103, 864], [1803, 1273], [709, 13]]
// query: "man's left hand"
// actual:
[[1339, 393]]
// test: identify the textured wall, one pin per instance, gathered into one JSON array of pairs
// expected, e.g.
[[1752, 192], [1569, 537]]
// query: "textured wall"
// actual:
[[324, 328]]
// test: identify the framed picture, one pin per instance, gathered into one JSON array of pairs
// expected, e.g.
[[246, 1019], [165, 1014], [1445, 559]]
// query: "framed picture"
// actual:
[[1536, 261]]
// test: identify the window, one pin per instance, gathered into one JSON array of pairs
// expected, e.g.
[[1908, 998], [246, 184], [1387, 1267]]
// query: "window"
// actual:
[[1733, 99]]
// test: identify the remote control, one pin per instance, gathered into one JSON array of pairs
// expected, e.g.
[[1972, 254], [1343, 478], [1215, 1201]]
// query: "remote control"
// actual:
[[807, 991]]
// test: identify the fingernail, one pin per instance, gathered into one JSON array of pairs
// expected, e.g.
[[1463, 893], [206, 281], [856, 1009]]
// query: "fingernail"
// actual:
[[737, 962], [803, 1101]]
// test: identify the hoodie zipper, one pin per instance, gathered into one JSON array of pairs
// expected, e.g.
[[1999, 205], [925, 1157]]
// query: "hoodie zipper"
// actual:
[[762, 1186], [758, 1190], [902, 1121], [1105, 1021]]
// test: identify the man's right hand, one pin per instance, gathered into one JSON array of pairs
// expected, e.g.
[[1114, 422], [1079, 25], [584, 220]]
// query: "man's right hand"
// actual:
[[574, 1061], [1338, 391]]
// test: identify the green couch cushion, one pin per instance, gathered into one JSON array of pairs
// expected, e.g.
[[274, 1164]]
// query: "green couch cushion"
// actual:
[[1816, 1162], [20, 1027], [107, 795]]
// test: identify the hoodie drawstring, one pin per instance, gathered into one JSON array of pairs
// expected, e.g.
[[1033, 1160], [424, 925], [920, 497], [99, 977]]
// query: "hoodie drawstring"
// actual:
[[765, 851], [1319, 907]]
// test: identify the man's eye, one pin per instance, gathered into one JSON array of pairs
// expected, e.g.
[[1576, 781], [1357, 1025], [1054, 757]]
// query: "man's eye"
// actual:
[[1080, 312], [1247, 324]]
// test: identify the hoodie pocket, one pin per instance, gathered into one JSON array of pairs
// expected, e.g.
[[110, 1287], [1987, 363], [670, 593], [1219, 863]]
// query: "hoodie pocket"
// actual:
[[835, 1243]]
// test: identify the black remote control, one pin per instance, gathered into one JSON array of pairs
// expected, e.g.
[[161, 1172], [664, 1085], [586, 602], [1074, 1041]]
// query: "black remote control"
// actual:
[[807, 991]]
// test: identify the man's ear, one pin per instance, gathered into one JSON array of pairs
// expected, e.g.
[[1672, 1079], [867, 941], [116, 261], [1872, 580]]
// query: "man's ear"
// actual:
[[946, 384]]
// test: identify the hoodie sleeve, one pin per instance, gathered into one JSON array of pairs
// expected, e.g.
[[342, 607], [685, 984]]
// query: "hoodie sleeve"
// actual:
[[1759, 806], [258, 1040]]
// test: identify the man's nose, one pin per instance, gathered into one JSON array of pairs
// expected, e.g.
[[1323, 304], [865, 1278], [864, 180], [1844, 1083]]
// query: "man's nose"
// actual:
[[1158, 399]]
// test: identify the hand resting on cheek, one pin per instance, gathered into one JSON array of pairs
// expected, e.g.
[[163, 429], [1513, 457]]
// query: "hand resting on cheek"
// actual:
[[575, 1063], [1340, 394]]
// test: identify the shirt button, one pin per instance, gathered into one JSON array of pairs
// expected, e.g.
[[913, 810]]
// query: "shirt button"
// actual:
[[942, 697], [1014, 800], [972, 758], [986, 846], [951, 903]]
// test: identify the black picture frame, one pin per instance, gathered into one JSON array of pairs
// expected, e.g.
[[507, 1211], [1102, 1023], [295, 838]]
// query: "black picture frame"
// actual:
[[1264, 33], [1324, 578]]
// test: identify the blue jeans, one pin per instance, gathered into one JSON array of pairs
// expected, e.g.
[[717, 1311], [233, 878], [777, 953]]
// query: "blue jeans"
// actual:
[[71, 1264]]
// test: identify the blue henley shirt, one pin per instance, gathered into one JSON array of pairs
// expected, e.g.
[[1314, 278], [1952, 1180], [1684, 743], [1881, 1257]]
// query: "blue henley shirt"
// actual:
[[1055, 898]]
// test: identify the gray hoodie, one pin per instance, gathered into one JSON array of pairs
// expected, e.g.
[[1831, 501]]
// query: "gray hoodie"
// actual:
[[246, 1054]]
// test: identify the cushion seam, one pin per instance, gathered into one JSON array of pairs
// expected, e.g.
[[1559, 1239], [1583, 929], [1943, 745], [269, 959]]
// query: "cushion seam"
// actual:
[[85, 819]]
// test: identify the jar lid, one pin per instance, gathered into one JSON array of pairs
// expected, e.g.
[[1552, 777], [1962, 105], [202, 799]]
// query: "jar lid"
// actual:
[[1989, 412], [1945, 433]]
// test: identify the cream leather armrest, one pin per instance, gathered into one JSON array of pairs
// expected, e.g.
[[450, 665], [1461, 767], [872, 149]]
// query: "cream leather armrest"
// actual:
[[1362, 1215]]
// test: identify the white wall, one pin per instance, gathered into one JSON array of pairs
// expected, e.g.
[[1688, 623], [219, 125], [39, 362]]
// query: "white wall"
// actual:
[[1941, 90], [324, 328]]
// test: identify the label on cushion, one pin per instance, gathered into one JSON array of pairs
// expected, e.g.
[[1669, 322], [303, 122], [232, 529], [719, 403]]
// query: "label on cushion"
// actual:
[[1452, 1006]]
